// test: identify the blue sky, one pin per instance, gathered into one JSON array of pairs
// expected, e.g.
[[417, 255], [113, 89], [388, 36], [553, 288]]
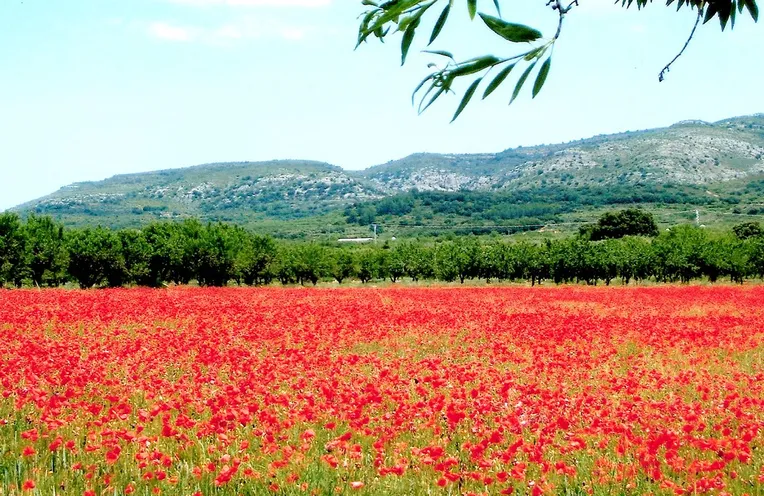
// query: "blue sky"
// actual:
[[93, 88]]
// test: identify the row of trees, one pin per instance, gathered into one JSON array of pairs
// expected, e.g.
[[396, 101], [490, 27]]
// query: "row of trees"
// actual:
[[40, 252], [683, 254]]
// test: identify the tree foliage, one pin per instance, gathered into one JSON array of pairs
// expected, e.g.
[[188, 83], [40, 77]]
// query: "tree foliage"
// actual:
[[531, 53], [747, 230], [40, 252], [628, 222], [95, 258], [12, 248]]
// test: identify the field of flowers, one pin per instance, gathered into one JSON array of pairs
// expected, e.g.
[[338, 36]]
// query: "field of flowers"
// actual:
[[382, 391]]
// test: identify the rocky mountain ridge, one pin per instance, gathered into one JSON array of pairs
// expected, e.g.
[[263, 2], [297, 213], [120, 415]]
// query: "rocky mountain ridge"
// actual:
[[687, 153]]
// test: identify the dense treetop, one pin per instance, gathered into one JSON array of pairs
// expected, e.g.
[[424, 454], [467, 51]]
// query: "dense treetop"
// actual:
[[40, 252]]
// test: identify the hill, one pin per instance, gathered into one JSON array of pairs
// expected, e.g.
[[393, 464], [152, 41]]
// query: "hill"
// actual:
[[690, 163], [690, 152], [246, 191]]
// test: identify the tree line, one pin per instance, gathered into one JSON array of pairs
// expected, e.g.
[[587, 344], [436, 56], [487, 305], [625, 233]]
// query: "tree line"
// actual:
[[624, 246]]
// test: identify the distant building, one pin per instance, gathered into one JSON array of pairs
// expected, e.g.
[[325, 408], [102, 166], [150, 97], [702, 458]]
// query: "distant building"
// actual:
[[355, 240]]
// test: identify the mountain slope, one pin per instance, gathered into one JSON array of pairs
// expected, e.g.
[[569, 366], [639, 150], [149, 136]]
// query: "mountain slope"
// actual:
[[691, 152], [713, 158], [232, 191]]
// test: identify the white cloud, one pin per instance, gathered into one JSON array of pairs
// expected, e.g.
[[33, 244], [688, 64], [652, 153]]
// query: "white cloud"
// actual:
[[257, 3], [227, 34], [165, 31]]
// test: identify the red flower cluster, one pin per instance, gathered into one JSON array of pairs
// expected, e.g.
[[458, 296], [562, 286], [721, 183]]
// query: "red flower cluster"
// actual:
[[483, 390]]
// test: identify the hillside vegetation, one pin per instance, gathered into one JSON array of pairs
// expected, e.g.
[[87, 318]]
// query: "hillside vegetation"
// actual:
[[718, 166]]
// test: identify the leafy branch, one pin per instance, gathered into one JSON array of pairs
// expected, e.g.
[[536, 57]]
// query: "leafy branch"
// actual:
[[405, 16], [383, 19], [725, 10]]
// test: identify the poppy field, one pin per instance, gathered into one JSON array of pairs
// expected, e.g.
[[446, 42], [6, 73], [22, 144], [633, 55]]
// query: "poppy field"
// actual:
[[437, 391]]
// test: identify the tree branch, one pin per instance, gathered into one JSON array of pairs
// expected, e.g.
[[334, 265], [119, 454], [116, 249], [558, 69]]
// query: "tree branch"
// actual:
[[666, 69], [557, 5]]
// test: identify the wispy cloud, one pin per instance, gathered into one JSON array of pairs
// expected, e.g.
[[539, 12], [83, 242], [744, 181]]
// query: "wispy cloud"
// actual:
[[227, 34], [165, 31], [257, 3]]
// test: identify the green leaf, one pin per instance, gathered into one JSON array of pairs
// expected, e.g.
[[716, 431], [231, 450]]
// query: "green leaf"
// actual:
[[442, 53], [711, 11], [498, 80], [440, 91], [467, 97], [439, 24], [536, 53], [516, 33], [391, 12], [753, 9], [521, 81], [498, 7], [472, 7], [408, 37], [404, 23], [363, 30], [421, 85], [724, 16], [474, 65], [541, 77]]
